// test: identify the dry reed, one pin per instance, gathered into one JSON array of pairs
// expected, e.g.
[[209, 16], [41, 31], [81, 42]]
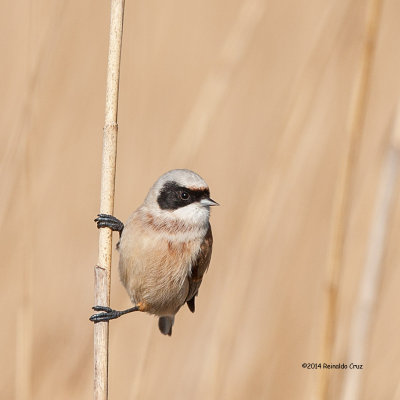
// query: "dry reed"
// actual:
[[103, 267], [342, 201], [24, 337], [369, 282]]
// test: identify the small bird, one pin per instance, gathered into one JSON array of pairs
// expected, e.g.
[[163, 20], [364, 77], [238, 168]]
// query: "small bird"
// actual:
[[165, 248]]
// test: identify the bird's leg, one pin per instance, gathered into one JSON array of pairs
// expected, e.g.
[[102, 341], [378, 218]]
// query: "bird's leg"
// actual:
[[108, 221], [109, 313]]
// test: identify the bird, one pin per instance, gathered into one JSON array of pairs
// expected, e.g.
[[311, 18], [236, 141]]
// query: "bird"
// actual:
[[165, 248]]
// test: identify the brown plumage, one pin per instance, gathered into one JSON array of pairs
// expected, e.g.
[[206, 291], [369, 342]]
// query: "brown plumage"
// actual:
[[199, 267]]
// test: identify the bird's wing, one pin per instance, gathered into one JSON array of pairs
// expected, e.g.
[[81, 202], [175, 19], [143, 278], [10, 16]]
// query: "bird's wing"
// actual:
[[199, 267]]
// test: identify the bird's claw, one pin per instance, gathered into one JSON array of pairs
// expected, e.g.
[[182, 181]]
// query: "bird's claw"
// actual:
[[109, 221], [102, 308], [108, 314]]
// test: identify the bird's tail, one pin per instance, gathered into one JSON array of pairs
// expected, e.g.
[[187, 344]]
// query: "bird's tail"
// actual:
[[165, 324]]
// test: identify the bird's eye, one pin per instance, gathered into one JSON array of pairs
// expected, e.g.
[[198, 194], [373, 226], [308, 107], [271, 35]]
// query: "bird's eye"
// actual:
[[184, 195]]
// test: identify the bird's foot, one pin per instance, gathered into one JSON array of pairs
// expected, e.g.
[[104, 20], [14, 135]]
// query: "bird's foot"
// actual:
[[109, 313], [109, 221]]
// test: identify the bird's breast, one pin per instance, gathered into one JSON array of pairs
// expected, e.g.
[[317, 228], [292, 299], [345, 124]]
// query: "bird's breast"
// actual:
[[154, 267]]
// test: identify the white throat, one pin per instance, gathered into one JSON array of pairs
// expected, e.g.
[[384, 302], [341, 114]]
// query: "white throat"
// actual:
[[189, 223]]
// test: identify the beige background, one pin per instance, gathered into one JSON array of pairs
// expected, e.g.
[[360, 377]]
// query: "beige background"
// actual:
[[254, 95]]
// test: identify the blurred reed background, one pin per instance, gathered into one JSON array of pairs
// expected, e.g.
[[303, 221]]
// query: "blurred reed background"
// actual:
[[288, 110]]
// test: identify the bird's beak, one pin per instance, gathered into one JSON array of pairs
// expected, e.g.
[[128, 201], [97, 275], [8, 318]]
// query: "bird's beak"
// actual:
[[208, 202]]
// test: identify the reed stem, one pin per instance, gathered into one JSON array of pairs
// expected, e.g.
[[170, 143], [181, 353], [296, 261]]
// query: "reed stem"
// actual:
[[103, 267]]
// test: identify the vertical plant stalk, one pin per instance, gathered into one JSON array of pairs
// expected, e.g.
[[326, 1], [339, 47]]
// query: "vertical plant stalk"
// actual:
[[370, 279], [343, 192], [24, 337], [103, 267]]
